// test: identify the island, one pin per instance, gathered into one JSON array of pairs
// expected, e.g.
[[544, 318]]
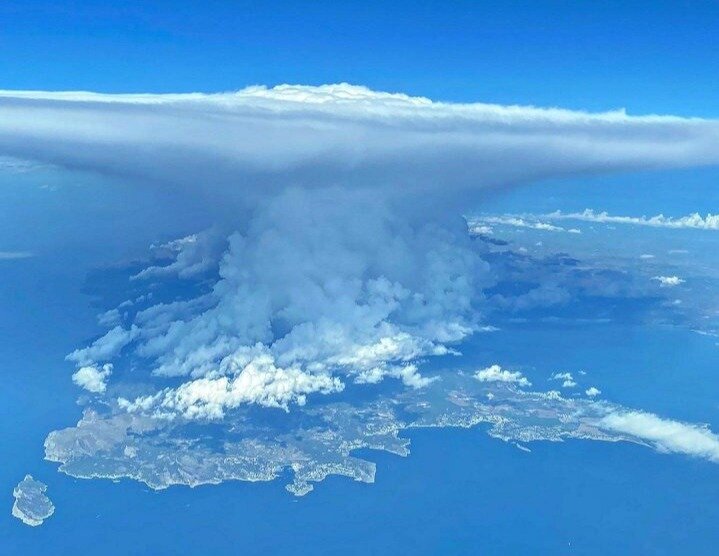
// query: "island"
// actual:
[[31, 506]]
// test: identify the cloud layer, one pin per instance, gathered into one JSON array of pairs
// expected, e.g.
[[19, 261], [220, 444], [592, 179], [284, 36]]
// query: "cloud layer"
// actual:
[[318, 136]]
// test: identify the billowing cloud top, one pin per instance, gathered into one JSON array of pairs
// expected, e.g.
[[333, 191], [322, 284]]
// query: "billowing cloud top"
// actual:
[[322, 135]]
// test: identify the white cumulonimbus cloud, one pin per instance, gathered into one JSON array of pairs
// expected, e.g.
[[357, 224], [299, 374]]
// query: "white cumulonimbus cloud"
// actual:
[[348, 262]]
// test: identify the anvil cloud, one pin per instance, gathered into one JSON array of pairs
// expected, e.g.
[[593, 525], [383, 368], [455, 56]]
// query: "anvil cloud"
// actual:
[[347, 262], [336, 133]]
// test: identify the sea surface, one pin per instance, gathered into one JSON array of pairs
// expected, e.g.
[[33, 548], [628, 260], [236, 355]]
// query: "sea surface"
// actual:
[[459, 491]]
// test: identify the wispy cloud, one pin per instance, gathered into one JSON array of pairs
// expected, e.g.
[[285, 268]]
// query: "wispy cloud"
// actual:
[[17, 166], [695, 220], [495, 373], [482, 224], [13, 255]]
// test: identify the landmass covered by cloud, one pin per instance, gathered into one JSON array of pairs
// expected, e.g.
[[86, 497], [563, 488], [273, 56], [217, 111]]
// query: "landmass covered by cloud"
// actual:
[[339, 259]]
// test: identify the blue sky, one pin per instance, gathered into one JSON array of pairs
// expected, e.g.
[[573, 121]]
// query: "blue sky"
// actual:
[[645, 56]]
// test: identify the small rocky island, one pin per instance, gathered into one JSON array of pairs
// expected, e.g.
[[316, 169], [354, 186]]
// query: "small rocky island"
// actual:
[[31, 505]]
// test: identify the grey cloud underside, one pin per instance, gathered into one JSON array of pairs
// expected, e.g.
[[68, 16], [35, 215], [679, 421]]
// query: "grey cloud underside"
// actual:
[[339, 133]]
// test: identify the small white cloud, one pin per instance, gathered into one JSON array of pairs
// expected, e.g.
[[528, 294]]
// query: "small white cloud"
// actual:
[[408, 374], [668, 281], [665, 434], [592, 391], [495, 373], [566, 378], [480, 229], [93, 378], [551, 395]]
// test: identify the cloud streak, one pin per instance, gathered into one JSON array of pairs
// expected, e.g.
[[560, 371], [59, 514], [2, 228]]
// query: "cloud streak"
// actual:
[[15, 255], [665, 435], [691, 221]]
